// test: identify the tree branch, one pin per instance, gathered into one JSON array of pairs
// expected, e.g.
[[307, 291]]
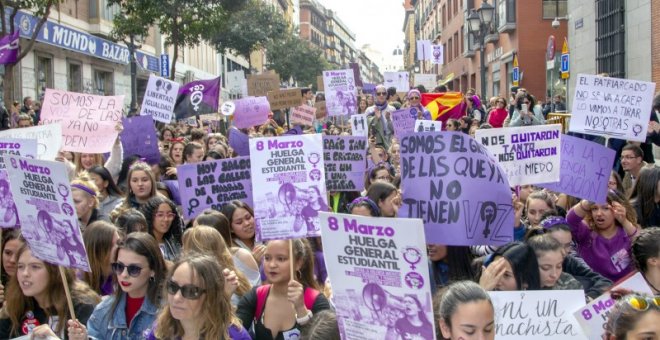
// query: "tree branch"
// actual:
[[37, 29]]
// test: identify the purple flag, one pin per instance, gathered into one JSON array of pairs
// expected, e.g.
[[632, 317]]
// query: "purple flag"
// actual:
[[239, 142], [344, 162], [356, 74], [197, 97], [9, 48]]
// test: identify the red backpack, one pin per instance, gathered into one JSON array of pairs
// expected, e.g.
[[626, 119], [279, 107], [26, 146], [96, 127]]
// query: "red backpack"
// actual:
[[262, 293]]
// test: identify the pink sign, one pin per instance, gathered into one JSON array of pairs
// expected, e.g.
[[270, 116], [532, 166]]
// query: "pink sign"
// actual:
[[88, 121], [251, 111], [303, 115]]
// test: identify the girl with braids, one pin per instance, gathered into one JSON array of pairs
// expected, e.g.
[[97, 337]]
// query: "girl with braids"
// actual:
[[646, 255], [278, 310]]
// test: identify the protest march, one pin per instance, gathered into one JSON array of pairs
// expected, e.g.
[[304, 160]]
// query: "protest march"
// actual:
[[281, 191]]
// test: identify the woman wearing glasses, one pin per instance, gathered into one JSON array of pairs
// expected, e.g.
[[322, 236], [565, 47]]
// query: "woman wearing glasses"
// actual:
[[380, 118], [164, 224], [634, 317], [139, 271], [526, 112], [414, 104], [197, 306], [498, 113]]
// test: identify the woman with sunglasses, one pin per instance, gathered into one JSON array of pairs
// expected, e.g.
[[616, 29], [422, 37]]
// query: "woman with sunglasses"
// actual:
[[526, 112], [634, 317], [164, 224], [498, 113], [414, 104], [197, 306], [380, 123]]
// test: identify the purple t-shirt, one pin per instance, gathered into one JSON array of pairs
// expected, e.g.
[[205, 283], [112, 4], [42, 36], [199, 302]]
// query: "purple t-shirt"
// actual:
[[608, 257]]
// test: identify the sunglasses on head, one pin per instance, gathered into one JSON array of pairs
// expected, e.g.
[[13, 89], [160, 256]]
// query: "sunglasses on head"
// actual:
[[189, 292], [381, 93], [642, 303], [133, 270]]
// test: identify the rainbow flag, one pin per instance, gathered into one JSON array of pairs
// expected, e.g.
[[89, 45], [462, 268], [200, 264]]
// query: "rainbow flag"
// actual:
[[444, 106]]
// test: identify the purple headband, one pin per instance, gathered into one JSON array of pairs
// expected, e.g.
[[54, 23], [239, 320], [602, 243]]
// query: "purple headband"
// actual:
[[84, 188], [552, 221], [414, 91], [363, 199]]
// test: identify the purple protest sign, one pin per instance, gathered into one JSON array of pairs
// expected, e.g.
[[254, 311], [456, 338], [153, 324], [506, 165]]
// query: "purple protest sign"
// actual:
[[139, 138], [251, 111], [452, 183], [173, 187], [9, 48], [344, 162], [239, 141], [214, 184], [197, 97], [403, 121], [369, 88], [18, 147], [585, 169], [45, 208], [296, 130]]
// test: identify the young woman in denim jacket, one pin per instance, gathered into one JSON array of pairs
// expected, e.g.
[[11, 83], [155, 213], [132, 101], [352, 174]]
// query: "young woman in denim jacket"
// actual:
[[139, 271]]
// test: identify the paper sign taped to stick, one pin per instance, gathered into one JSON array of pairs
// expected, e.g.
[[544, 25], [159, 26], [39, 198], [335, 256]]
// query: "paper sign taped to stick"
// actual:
[[139, 138], [288, 181], [48, 137], [258, 85], [612, 107], [403, 121], [340, 92], [45, 208], [427, 125], [360, 125], [443, 177], [345, 163], [303, 115], [159, 99], [284, 98], [251, 111], [529, 155], [378, 268], [17, 147], [585, 169], [88, 121]]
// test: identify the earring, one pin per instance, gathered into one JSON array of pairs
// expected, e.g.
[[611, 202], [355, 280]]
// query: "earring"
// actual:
[[152, 279], [298, 274]]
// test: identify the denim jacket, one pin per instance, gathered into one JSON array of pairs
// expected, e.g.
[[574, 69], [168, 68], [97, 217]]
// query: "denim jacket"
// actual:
[[100, 327]]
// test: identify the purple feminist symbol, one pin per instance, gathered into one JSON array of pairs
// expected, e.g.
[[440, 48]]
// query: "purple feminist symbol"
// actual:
[[63, 190], [414, 280], [436, 54], [412, 255], [314, 158], [637, 129]]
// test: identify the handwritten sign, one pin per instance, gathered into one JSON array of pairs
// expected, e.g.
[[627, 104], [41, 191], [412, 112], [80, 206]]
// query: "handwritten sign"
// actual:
[[529, 155], [427, 125], [159, 99], [360, 125], [284, 98], [139, 138], [214, 184], [594, 315], [428, 80], [403, 121], [443, 176], [537, 314], [251, 111], [399, 80], [612, 107], [45, 208], [585, 169], [378, 267], [288, 184], [48, 137], [303, 115], [239, 142], [321, 109], [17, 147], [345, 164], [340, 92], [88, 121], [258, 85]]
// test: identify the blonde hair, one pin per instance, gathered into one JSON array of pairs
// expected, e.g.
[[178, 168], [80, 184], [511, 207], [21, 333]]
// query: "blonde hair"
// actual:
[[126, 203], [83, 179], [77, 160]]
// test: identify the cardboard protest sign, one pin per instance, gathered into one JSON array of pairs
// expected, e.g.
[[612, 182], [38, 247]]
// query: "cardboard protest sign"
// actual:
[[213, 184], [45, 208], [399, 80], [427, 125], [251, 111], [340, 92], [403, 122], [360, 125], [288, 185], [345, 164], [585, 169], [281, 99], [17, 147], [321, 110], [239, 142], [159, 99], [303, 115], [258, 85], [537, 314], [443, 177], [529, 155], [88, 121], [139, 138], [377, 266], [593, 316], [48, 137], [612, 107], [319, 84]]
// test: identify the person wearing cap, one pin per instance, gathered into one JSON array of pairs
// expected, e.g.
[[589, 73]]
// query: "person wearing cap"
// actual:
[[380, 118], [417, 110]]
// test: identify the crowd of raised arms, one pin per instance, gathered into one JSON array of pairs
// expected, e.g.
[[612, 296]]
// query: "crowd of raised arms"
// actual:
[[155, 275]]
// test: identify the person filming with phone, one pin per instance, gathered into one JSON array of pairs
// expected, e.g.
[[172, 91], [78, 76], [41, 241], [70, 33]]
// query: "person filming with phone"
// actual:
[[526, 112]]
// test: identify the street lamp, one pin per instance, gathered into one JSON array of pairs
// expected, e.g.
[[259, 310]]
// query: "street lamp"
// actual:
[[479, 25]]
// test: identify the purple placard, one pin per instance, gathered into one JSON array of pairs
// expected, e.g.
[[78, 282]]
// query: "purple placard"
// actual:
[[452, 183], [403, 121], [369, 88], [239, 142], [139, 138], [214, 184], [585, 169], [296, 130], [251, 111], [173, 186], [345, 164]]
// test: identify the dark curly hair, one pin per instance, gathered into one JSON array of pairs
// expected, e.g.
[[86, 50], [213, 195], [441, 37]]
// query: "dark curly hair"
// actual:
[[149, 210]]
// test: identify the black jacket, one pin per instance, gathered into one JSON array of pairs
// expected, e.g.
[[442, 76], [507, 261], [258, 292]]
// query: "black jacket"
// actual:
[[594, 284]]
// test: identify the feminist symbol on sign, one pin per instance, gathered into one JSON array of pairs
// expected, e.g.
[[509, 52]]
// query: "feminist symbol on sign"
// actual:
[[412, 255], [488, 214], [637, 129], [314, 158]]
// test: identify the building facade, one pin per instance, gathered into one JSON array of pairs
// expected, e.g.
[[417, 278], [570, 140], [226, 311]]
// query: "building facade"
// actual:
[[409, 57]]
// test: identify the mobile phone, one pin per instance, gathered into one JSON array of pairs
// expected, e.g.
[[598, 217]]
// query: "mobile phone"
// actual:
[[524, 108]]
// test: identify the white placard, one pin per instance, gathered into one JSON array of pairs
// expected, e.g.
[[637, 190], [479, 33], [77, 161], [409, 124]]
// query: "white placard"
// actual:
[[360, 125], [48, 137], [428, 80], [340, 92], [428, 125], [397, 79], [159, 99]]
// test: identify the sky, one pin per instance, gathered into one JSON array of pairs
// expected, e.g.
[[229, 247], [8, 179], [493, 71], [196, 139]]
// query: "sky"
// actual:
[[375, 22]]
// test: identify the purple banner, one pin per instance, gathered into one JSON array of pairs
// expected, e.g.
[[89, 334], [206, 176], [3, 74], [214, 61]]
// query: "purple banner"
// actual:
[[345, 164], [403, 121], [369, 88], [9, 48], [239, 142], [449, 181], [585, 169], [197, 97], [251, 111], [139, 138], [214, 184], [356, 74]]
